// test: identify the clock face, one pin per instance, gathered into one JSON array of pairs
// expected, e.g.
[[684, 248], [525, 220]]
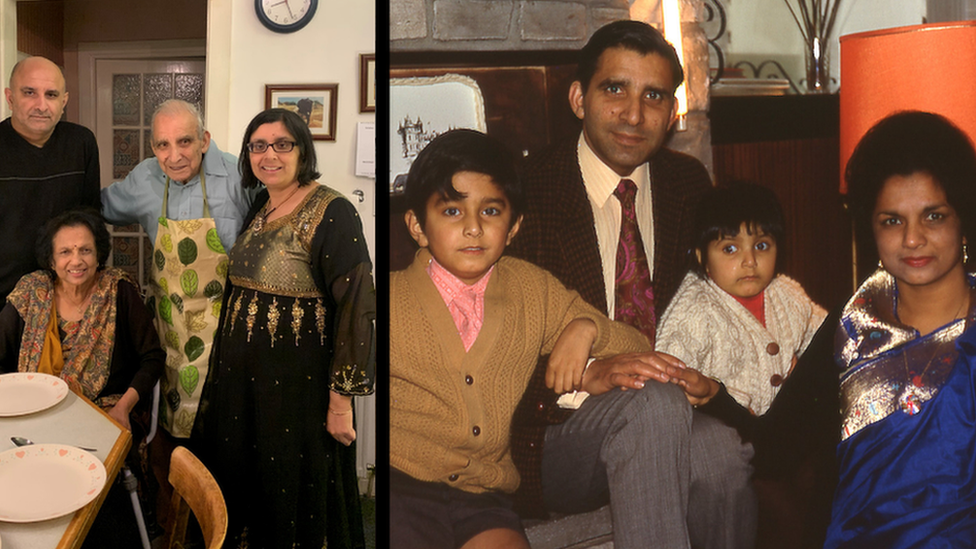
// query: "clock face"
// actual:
[[285, 15]]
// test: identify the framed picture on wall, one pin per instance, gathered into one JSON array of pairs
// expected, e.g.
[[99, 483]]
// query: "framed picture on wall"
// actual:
[[315, 103], [367, 82], [421, 108]]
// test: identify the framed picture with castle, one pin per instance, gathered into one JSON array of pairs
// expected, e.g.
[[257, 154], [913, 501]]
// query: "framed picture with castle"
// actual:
[[424, 107]]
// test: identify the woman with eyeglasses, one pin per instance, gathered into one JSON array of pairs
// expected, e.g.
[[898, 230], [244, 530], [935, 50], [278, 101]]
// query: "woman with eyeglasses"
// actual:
[[294, 345]]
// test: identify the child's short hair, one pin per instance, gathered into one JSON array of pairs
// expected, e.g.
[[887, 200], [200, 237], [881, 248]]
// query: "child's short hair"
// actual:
[[723, 209], [461, 151]]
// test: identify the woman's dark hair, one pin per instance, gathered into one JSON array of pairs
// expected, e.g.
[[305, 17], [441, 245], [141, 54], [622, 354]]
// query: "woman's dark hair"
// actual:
[[911, 142], [303, 142], [460, 151], [722, 211], [631, 35], [81, 217]]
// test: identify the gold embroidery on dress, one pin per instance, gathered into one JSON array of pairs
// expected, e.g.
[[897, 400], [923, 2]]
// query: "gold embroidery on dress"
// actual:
[[273, 315], [276, 261], [320, 320], [886, 366], [252, 311], [237, 309], [305, 222], [349, 380], [296, 320], [264, 287]]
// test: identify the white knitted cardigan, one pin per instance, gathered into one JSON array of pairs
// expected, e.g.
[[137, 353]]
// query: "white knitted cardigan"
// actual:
[[712, 332]]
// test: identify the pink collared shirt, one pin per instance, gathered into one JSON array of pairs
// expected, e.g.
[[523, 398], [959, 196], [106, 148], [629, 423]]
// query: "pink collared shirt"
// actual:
[[466, 303]]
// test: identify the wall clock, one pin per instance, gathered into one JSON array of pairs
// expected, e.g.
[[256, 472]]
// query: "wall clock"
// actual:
[[285, 15]]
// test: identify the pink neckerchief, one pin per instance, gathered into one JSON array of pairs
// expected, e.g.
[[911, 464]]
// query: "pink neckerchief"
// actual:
[[466, 303]]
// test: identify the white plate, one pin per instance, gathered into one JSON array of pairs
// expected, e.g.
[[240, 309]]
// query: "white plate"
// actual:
[[46, 481], [26, 393]]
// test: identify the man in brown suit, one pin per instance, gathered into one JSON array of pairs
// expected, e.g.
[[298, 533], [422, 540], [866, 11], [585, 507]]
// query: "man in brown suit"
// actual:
[[673, 477]]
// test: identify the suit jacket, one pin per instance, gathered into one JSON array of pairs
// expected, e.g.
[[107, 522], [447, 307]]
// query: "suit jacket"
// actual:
[[558, 235]]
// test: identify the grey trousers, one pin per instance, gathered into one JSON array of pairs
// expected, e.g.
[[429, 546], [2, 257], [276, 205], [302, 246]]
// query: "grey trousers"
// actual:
[[674, 478]]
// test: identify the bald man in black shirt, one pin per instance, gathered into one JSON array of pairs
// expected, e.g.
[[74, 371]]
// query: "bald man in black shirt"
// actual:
[[46, 166]]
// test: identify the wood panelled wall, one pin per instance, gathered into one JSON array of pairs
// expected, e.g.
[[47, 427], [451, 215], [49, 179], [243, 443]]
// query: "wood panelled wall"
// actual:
[[40, 29], [790, 144]]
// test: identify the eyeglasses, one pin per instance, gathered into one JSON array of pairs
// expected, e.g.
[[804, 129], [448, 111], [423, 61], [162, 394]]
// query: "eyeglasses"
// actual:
[[259, 147]]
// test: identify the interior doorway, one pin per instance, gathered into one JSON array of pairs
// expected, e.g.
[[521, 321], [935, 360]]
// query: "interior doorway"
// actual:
[[127, 93]]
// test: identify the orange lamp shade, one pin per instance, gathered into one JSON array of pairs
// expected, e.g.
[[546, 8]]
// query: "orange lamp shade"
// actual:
[[921, 67]]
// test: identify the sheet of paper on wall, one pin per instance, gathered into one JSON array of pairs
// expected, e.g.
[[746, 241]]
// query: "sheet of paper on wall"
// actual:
[[366, 149]]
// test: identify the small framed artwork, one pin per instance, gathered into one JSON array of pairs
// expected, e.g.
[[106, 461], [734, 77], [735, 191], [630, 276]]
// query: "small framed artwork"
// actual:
[[315, 103], [367, 82]]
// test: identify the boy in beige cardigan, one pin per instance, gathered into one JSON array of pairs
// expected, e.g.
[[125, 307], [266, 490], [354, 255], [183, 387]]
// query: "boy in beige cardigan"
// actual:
[[467, 327]]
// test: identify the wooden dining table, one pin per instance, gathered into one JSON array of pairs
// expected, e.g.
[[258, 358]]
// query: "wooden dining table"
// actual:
[[73, 421]]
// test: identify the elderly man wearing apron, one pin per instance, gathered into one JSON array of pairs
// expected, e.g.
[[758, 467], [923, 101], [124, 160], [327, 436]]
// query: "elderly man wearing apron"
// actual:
[[190, 202]]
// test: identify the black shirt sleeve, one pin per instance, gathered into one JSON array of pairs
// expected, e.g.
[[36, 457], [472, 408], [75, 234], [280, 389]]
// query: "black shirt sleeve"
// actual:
[[93, 189]]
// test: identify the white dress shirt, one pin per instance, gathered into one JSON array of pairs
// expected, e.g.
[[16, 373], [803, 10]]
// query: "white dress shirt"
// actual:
[[600, 181]]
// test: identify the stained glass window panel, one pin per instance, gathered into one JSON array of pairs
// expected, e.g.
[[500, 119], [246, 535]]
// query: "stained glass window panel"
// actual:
[[189, 88], [125, 152], [159, 88], [147, 151], [147, 258], [126, 89]]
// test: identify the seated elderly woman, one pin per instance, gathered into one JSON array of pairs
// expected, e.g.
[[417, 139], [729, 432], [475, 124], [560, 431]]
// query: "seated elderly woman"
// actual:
[[79, 321], [84, 323]]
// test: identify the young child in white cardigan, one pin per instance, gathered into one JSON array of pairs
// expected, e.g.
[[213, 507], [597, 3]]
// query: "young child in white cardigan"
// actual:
[[734, 318]]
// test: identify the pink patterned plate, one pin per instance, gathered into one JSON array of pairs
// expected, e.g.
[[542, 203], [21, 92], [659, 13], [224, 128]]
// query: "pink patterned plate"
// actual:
[[46, 481], [26, 393]]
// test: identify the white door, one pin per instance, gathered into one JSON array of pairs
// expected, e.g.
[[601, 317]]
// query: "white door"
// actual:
[[128, 91]]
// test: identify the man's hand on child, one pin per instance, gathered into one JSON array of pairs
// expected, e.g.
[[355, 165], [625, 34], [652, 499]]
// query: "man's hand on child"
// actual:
[[628, 371], [567, 361], [698, 387]]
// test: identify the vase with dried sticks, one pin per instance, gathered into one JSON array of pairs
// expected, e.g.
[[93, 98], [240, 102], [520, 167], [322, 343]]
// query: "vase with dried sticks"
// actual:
[[815, 19]]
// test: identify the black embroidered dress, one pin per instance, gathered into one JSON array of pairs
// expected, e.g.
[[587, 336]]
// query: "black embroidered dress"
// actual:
[[297, 322]]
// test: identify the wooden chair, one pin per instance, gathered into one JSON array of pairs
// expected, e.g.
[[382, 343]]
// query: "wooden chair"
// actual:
[[194, 488]]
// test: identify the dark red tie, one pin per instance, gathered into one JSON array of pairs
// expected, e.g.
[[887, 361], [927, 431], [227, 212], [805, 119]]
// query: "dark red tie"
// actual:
[[634, 294]]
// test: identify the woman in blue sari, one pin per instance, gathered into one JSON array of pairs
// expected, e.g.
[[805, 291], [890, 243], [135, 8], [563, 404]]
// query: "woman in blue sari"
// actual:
[[906, 346], [897, 360]]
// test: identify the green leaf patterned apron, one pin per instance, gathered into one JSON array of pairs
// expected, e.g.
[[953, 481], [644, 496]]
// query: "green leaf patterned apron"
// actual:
[[188, 274]]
